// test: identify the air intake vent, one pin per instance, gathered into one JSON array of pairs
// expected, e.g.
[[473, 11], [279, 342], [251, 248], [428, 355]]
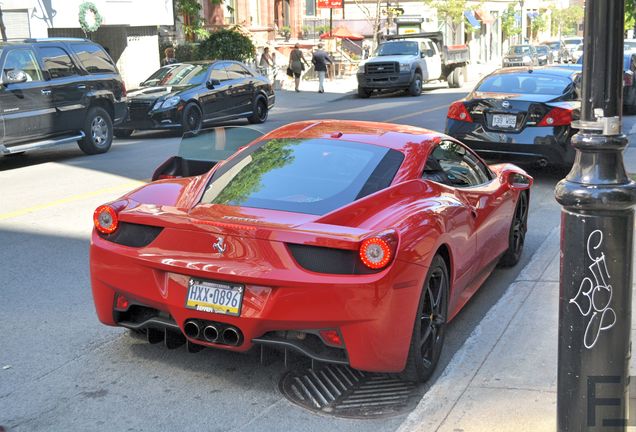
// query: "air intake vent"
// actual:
[[133, 235], [328, 260]]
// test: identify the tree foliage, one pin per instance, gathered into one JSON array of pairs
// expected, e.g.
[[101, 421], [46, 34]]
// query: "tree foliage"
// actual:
[[567, 20], [190, 14], [630, 14], [539, 23], [227, 44], [509, 23]]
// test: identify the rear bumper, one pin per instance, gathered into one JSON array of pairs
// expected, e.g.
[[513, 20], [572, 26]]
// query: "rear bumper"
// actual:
[[373, 313], [384, 81], [533, 144]]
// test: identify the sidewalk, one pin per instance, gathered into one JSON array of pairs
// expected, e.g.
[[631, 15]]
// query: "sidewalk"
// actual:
[[504, 377]]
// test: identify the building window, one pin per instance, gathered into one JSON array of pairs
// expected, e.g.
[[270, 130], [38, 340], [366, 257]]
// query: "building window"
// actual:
[[310, 7], [231, 15], [255, 13]]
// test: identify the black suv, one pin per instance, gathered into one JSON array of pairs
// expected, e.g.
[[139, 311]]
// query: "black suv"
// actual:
[[55, 91]]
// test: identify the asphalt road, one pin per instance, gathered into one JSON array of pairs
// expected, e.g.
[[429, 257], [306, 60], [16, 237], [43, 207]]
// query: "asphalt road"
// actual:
[[61, 370]]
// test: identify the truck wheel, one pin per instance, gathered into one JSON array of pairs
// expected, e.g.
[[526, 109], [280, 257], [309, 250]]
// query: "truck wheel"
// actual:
[[415, 89], [456, 78], [98, 132], [364, 92]]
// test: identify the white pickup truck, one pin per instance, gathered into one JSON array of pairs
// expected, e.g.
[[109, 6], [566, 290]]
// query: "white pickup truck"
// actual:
[[408, 61]]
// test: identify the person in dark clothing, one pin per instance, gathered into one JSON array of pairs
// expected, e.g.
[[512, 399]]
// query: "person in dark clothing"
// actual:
[[297, 64], [169, 58], [320, 59]]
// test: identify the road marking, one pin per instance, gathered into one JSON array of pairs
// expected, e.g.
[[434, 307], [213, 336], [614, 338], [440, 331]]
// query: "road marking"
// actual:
[[400, 117], [72, 198]]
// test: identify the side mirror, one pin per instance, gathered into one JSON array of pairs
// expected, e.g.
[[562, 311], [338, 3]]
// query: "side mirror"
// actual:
[[517, 181], [212, 82], [14, 76]]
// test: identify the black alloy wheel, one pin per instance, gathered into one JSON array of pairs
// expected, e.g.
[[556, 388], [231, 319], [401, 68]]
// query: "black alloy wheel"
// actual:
[[517, 235], [260, 112], [192, 118], [430, 322], [415, 89]]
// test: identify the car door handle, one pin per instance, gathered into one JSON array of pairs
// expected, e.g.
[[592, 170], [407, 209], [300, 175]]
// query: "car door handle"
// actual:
[[46, 92], [81, 86]]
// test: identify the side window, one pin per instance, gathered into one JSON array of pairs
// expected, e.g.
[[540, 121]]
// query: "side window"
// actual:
[[236, 71], [93, 58], [218, 72], [57, 62], [451, 164], [24, 60]]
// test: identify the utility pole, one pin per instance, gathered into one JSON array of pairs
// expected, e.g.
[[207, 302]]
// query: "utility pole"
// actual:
[[597, 224], [3, 29]]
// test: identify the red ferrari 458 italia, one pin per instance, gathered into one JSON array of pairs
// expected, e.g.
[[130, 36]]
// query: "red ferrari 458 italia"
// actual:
[[349, 242]]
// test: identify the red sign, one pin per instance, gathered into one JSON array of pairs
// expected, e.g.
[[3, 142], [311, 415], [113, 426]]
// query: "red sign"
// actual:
[[329, 4]]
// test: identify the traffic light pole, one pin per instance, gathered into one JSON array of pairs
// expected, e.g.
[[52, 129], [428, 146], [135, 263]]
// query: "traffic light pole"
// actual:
[[597, 224]]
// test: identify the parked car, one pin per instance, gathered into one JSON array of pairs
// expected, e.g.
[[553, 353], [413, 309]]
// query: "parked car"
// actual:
[[629, 80], [571, 44], [520, 114], [194, 94], [408, 61], [544, 55], [577, 54], [56, 91], [629, 44], [349, 242], [520, 55], [558, 51]]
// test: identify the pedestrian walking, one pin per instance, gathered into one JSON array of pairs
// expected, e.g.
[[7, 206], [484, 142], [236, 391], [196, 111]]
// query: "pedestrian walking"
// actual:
[[297, 64], [266, 62], [320, 59], [169, 57]]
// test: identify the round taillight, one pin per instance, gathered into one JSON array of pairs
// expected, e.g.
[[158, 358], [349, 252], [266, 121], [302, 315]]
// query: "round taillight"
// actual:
[[375, 253], [105, 219]]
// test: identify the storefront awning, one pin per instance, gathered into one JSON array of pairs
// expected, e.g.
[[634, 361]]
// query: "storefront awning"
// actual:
[[470, 16], [484, 16]]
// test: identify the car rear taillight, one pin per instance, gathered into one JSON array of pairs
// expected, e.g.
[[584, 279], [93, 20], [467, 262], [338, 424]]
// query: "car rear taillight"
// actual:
[[105, 219], [628, 78], [458, 111], [378, 251], [557, 117], [331, 337]]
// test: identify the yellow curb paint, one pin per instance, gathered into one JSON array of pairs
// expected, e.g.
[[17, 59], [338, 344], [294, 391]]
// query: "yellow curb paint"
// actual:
[[400, 117], [72, 198]]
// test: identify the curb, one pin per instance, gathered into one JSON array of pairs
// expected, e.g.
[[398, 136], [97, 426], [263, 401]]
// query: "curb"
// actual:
[[442, 397]]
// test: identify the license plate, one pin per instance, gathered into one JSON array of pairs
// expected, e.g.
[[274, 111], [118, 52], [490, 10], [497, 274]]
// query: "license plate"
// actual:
[[215, 297], [504, 121]]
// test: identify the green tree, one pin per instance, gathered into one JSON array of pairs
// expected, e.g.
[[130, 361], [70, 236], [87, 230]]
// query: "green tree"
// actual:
[[227, 44], [566, 21], [190, 14], [630, 14], [509, 25], [539, 23], [449, 11]]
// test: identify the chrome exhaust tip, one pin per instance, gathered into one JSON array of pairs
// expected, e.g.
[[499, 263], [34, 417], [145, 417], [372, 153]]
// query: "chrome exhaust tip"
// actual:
[[542, 163], [191, 329], [211, 333], [231, 336]]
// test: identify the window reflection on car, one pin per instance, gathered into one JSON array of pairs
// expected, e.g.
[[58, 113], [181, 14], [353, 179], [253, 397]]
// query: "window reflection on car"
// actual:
[[186, 74]]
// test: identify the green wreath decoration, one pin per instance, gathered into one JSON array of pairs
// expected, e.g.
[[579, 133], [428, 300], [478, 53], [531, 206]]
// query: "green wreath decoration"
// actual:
[[83, 9]]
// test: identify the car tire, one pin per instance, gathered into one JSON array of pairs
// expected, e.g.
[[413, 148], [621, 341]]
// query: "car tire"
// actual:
[[98, 131], [364, 92], [429, 325], [123, 133], [415, 89], [517, 234], [260, 112], [192, 119]]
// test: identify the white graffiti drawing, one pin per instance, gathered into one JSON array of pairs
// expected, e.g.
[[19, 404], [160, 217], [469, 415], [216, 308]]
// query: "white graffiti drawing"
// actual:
[[595, 293]]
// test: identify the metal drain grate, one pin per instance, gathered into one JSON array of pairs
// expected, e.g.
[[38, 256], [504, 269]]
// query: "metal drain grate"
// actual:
[[344, 392]]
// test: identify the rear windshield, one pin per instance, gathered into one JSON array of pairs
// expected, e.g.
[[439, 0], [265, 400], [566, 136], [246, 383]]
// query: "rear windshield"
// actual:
[[312, 176], [525, 83], [519, 49], [573, 41], [93, 58]]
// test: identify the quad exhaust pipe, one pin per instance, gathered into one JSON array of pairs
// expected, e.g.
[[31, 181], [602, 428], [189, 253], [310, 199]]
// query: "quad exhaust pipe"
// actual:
[[192, 329], [231, 336], [212, 332]]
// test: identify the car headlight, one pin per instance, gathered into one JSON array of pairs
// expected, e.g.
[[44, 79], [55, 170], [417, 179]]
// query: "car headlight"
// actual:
[[405, 67], [157, 105], [526, 59], [361, 68], [170, 102]]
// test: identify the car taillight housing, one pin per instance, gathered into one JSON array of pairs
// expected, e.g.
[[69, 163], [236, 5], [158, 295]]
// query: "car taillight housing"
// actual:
[[105, 219], [378, 251], [557, 117], [458, 111]]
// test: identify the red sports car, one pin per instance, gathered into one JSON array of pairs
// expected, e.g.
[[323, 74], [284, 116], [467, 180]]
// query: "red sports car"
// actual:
[[350, 242]]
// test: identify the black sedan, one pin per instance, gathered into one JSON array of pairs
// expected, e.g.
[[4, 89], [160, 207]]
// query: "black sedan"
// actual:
[[629, 80], [519, 114], [194, 94]]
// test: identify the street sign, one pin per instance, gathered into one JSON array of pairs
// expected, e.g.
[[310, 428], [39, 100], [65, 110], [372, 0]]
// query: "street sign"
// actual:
[[329, 4]]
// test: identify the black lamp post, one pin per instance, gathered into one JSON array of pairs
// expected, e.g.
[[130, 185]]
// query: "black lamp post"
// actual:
[[597, 225]]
